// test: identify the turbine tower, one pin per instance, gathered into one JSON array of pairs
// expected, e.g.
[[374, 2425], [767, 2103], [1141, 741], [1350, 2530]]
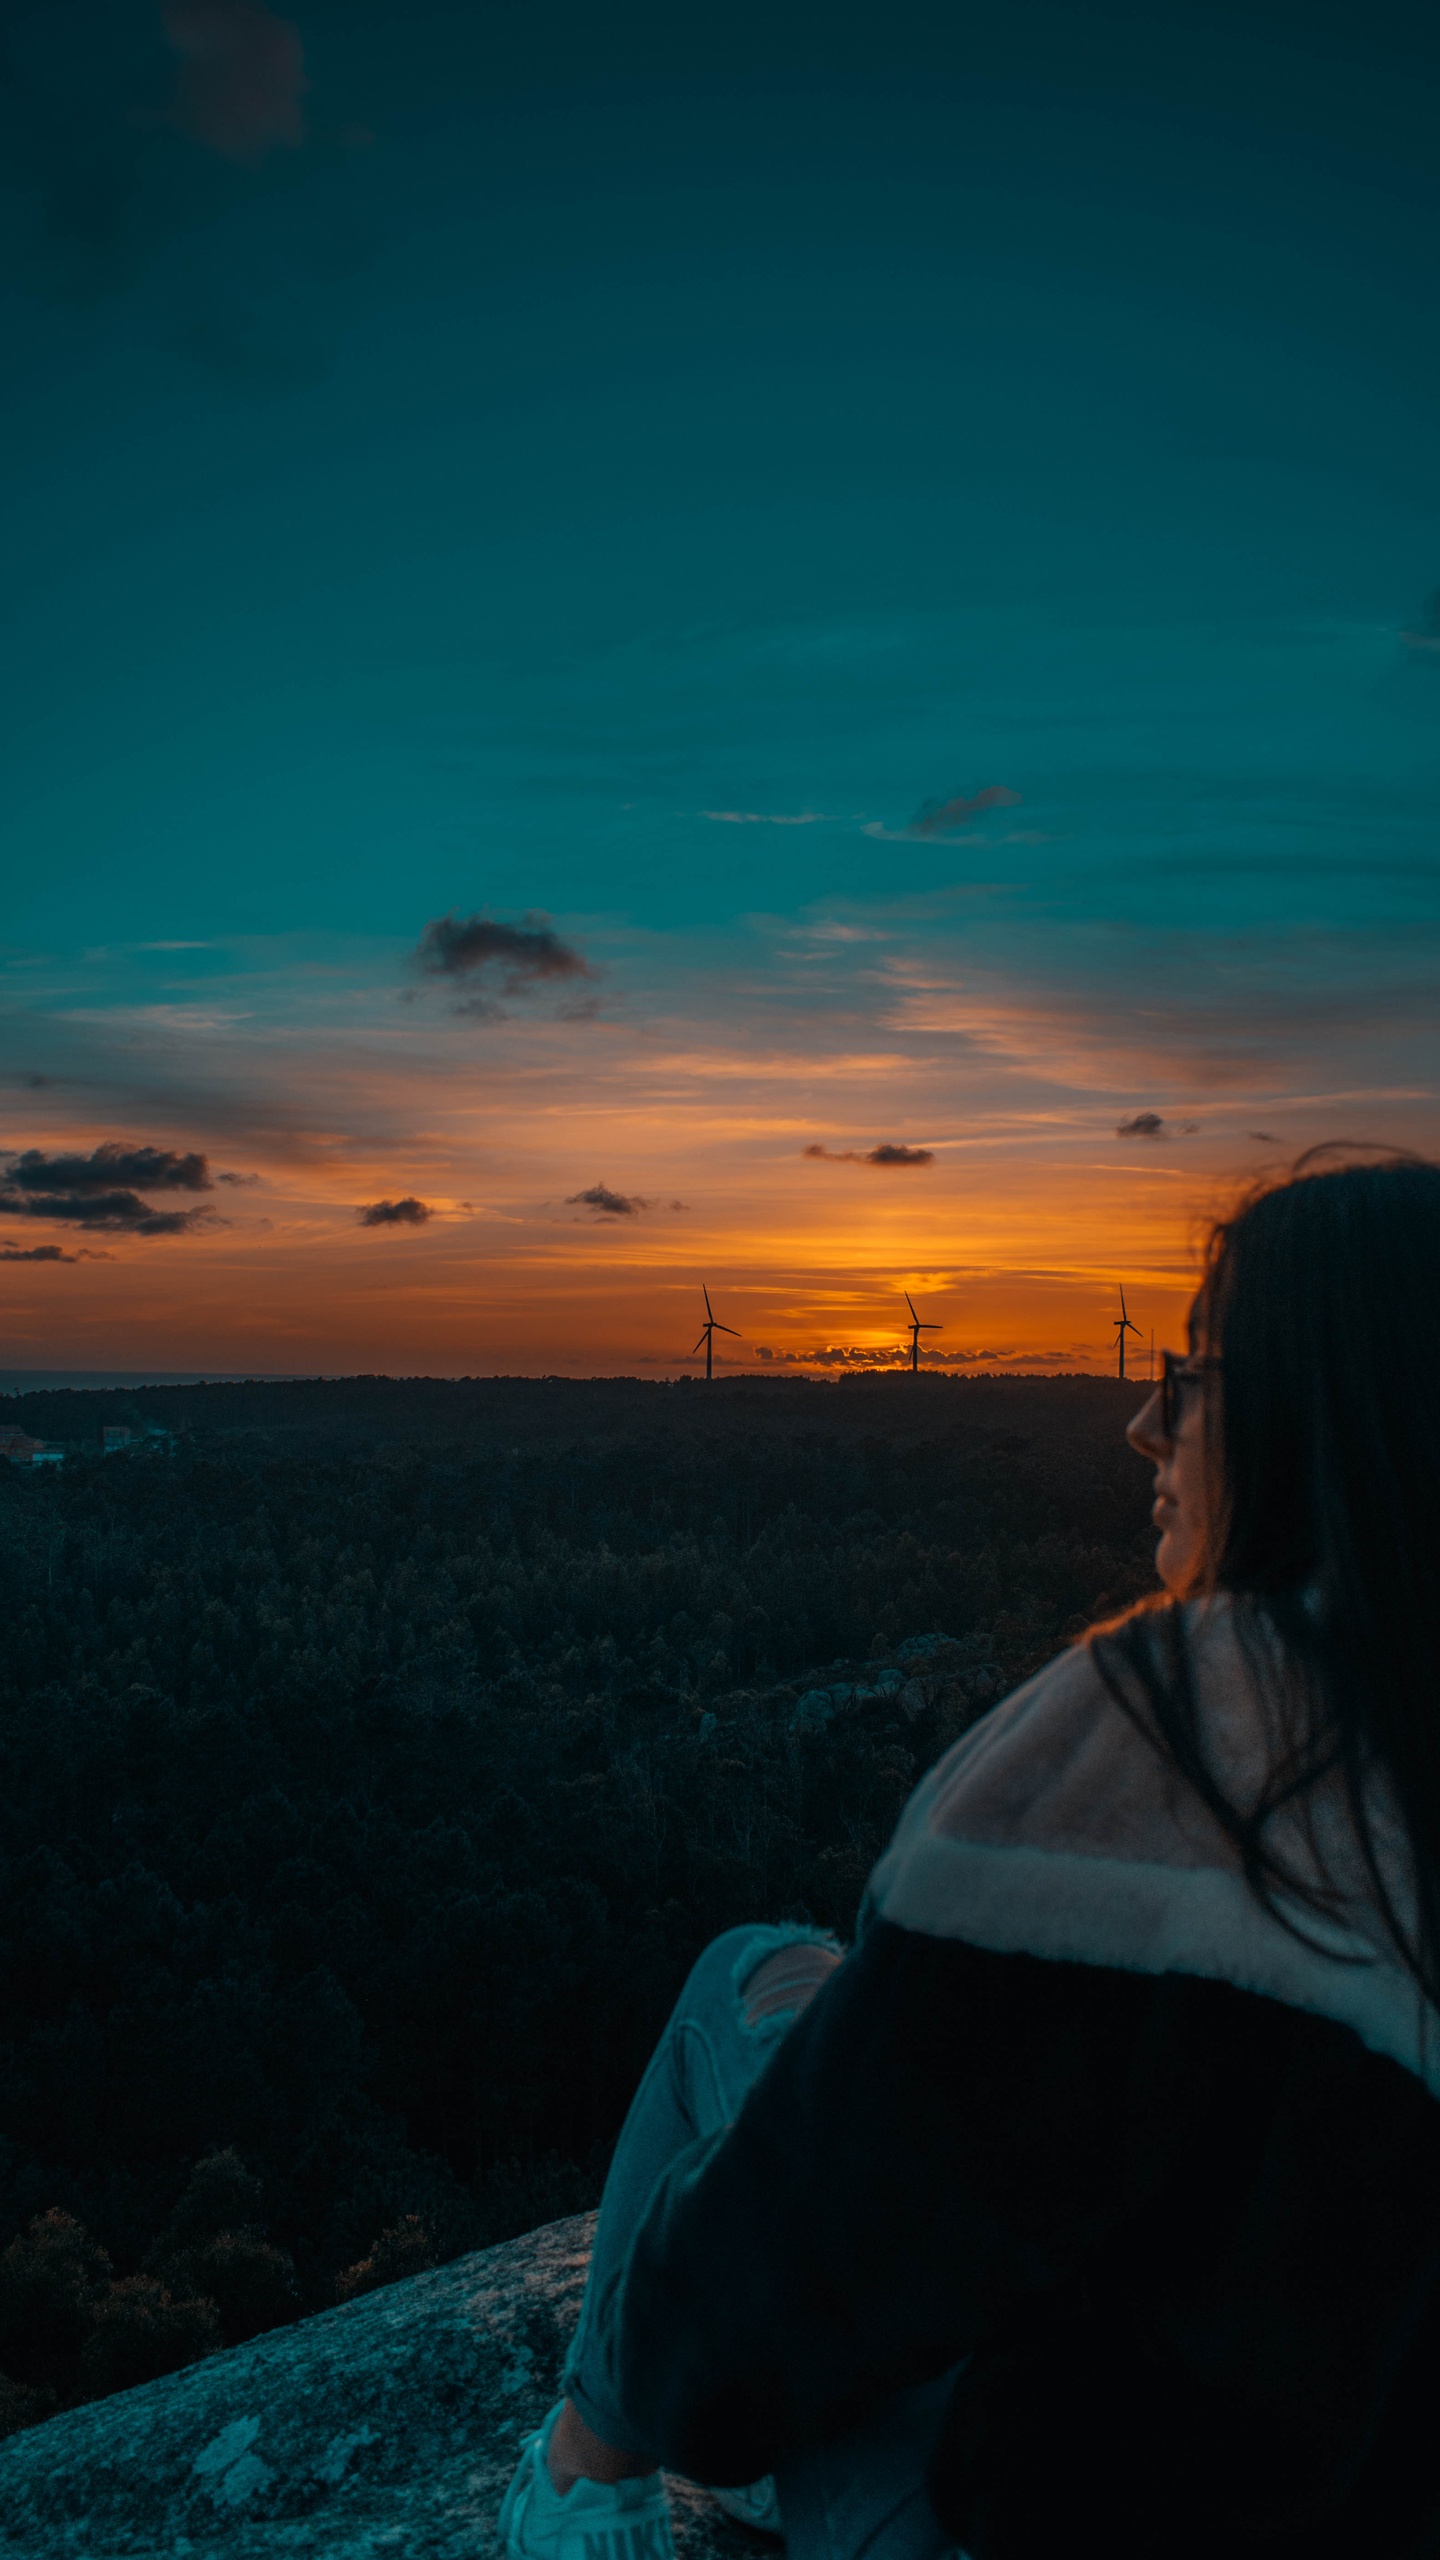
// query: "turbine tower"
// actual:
[[1123, 1326], [711, 1327], [916, 1329]]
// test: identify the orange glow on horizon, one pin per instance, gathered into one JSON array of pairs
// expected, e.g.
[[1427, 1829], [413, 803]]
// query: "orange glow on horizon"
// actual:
[[580, 1181]]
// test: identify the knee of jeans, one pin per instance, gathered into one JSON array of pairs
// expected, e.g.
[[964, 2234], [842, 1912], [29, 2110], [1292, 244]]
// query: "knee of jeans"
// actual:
[[729, 1959], [792, 1958], [728, 1963]]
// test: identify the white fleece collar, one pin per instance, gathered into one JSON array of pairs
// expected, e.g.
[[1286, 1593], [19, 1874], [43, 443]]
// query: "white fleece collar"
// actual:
[[1056, 1828]]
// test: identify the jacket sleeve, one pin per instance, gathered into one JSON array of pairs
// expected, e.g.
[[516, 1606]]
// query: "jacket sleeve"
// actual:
[[942, 2133]]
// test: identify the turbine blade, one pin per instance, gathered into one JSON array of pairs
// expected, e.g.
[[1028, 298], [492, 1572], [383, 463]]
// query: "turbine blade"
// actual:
[[705, 1294], [725, 1328], [700, 1345], [910, 1303]]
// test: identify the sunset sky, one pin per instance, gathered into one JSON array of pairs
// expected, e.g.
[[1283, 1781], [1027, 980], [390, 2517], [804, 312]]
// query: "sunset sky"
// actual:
[[608, 612]]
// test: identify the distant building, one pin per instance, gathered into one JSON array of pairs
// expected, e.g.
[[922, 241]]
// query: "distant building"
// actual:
[[22, 1451], [154, 1437]]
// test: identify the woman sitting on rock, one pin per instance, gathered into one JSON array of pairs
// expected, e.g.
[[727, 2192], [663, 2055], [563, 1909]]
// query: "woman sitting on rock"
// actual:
[[1093, 2199]]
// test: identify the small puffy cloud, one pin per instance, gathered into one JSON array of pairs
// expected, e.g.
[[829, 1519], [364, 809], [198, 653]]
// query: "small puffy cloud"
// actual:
[[240, 1181], [137, 1168], [1145, 1124], [35, 1253], [482, 952], [1266, 1138], [611, 1204], [242, 76], [885, 1154], [408, 1212], [943, 817]]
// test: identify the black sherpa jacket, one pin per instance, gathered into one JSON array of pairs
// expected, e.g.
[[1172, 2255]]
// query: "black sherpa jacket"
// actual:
[[1078, 2110]]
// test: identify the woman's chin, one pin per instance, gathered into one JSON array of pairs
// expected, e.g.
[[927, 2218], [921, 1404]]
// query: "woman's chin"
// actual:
[[1175, 1560]]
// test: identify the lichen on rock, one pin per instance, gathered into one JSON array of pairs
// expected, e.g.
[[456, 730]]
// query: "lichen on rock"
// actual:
[[388, 2426]]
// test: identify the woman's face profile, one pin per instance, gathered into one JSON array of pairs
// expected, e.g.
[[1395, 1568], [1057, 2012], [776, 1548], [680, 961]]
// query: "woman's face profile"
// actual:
[[1181, 1485]]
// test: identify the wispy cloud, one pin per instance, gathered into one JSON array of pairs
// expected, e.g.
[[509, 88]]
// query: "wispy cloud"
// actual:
[[766, 817], [944, 817], [885, 1154], [1152, 1124]]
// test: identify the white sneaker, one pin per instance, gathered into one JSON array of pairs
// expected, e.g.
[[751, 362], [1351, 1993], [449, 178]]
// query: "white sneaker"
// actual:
[[757, 2506], [630, 2521]]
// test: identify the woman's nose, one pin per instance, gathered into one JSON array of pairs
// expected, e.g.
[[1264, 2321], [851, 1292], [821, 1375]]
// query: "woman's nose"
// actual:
[[1146, 1432]]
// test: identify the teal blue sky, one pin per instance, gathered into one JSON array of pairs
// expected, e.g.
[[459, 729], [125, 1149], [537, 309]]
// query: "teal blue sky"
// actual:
[[622, 469]]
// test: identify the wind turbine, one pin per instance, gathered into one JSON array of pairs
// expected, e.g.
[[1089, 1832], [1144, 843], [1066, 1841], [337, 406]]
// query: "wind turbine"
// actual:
[[712, 1326], [916, 1329], [1123, 1326]]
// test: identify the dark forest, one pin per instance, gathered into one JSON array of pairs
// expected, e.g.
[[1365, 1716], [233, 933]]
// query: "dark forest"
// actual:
[[377, 1756]]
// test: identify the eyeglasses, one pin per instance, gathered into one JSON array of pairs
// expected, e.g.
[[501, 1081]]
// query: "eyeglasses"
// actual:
[[1181, 1374]]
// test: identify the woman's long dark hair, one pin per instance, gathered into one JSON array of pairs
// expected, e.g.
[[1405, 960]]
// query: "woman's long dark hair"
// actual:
[[1321, 1300]]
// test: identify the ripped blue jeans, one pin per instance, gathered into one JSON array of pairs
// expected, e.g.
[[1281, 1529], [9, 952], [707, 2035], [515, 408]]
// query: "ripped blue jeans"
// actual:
[[862, 2498]]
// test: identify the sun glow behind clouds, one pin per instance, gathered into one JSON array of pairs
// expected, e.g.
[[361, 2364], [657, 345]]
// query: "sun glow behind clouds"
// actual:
[[565, 1186]]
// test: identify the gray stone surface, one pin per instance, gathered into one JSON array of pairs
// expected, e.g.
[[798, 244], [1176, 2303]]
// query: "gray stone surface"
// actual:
[[388, 2426]]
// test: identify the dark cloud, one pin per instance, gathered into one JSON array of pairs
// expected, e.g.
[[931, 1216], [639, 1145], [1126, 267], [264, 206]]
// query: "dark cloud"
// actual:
[[408, 1212], [1146, 1124], [885, 1154], [35, 1253], [144, 1168], [242, 77], [37, 1084], [611, 1204], [107, 1212], [240, 1181], [942, 817], [1266, 1138], [520, 956]]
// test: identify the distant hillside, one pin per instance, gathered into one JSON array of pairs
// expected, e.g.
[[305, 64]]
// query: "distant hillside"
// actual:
[[372, 1767], [454, 1412]]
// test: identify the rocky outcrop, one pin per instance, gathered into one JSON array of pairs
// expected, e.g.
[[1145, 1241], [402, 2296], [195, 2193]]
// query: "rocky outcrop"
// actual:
[[389, 2426]]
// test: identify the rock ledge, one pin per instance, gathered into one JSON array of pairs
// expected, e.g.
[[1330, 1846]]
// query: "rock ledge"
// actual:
[[389, 2426]]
